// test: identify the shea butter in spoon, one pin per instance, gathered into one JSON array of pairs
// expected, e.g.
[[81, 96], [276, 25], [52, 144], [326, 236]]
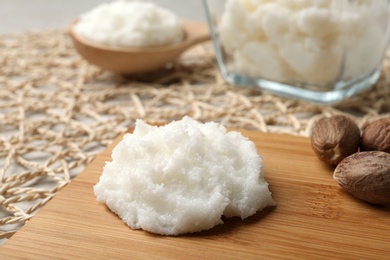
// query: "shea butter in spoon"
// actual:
[[133, 37]]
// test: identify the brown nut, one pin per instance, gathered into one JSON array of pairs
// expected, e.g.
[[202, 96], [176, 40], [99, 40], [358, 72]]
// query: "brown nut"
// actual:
[[366, 175], [376, 136], [334, 138]]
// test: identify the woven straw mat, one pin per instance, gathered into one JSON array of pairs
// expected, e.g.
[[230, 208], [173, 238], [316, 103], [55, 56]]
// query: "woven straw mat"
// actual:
[[57, 112]]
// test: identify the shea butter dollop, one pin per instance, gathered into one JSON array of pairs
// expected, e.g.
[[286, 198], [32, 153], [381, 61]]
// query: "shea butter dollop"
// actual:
[[183, 177]]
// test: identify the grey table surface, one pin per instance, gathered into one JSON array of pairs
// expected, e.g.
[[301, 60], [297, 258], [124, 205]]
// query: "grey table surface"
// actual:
[[18, 16]]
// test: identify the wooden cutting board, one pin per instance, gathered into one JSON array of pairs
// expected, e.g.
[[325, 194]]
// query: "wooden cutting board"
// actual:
[[314, 218]]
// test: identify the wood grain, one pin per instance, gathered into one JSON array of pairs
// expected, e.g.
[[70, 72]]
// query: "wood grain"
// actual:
[[314, 218]]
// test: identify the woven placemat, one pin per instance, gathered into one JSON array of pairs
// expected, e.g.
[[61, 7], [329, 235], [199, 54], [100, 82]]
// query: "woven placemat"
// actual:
[[57, 112]]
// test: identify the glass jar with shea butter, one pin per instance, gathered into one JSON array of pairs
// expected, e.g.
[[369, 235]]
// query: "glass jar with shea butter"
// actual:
[[318, 50]]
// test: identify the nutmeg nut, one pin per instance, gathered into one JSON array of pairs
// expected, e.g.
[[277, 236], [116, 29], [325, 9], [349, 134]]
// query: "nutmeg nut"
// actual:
[[366, 175], [334, 138], [376, 136]]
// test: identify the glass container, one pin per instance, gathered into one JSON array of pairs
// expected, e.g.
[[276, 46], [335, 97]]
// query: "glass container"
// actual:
[[318, 50]]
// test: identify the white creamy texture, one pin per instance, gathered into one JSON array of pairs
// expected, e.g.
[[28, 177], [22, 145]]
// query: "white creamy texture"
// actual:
[[182, 177], [305, 40], [130, 24]]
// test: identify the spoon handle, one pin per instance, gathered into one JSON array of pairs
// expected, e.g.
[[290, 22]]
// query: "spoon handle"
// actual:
[[199, 32]]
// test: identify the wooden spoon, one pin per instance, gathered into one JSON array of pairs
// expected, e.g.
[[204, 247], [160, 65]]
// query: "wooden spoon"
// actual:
[[131, 60]]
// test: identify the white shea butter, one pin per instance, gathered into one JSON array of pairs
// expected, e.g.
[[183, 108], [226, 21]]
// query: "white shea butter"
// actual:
[[183, 177], [130, 24], [308, 41]]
